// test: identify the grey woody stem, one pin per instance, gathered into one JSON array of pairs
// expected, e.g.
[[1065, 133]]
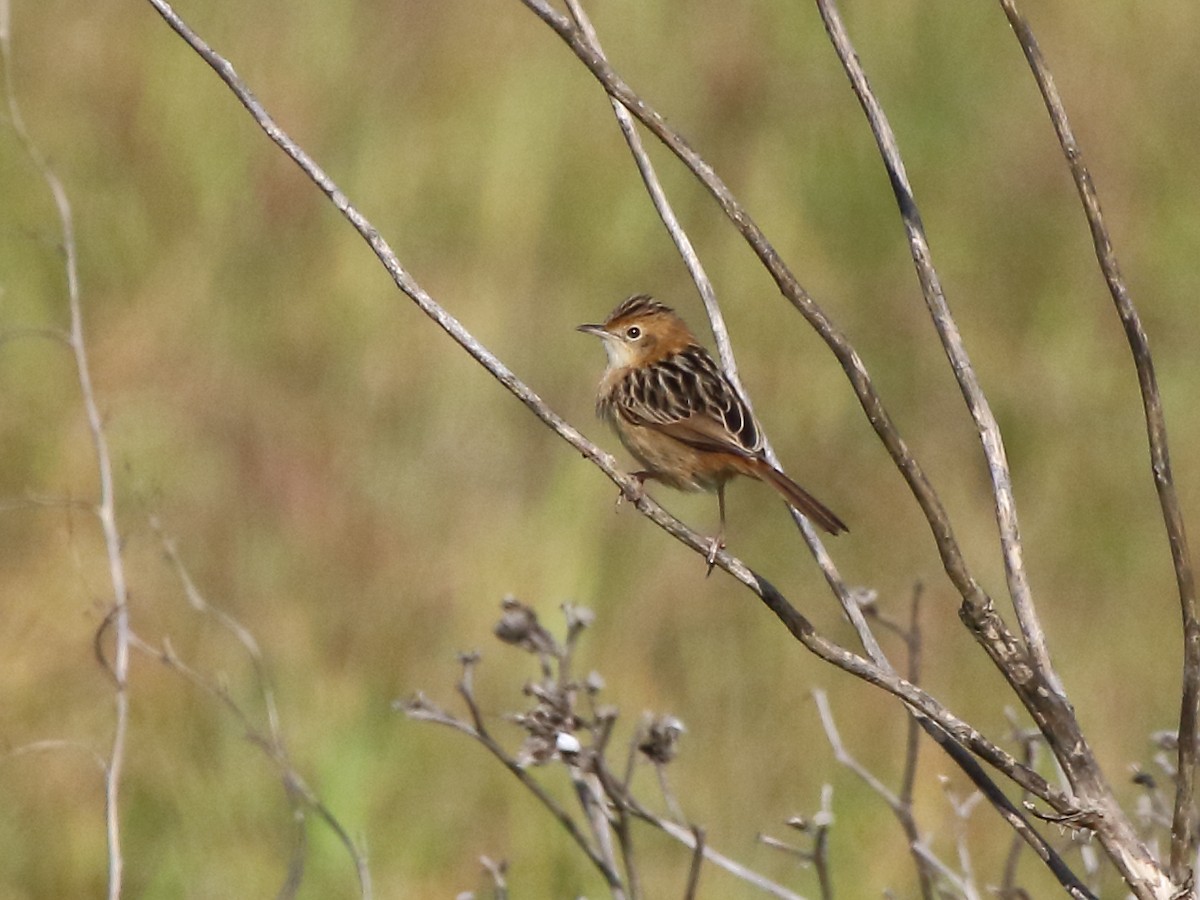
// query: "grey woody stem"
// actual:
[[1184, 835]]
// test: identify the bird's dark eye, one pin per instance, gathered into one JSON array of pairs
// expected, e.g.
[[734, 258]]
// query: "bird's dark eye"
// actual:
[[633, 332]]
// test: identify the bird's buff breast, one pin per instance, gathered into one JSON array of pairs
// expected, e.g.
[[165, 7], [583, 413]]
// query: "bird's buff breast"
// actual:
[[669, 461]]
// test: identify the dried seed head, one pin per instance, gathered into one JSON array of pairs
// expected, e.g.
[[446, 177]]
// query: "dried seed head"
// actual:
[[661, 741]]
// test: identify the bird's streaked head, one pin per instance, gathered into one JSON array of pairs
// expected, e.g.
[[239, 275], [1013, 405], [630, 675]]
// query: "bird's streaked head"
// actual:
[[641, 331]]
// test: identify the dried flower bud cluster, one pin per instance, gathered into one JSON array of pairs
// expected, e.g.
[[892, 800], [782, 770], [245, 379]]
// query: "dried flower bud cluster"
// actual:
[[566, 721], [519, 626], [660, 740]]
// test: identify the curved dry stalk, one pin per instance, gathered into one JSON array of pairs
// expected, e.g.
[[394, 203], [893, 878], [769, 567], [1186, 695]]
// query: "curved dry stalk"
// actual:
[[658, 196], [691, 838], [105, 507], [421, 709], [54, 745], [299, 794], [240, 632], [1184, 837]]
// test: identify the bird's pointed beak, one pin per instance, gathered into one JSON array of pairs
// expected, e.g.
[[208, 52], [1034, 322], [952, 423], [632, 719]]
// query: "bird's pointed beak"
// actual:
[[597, 330]]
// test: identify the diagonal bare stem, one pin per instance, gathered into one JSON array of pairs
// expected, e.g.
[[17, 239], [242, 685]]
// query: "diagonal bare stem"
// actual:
[[105, 508]]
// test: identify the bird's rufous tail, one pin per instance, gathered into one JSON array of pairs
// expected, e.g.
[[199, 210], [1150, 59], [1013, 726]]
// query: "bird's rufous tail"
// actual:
[[798, 497]]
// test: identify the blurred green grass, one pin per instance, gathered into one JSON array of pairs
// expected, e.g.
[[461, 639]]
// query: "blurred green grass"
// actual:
[[361, 495]]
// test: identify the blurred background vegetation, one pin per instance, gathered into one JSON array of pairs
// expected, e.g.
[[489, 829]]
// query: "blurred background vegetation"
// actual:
[[346, 482]]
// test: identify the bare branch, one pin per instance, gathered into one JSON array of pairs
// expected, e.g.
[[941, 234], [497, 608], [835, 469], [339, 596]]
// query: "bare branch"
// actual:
[[54, 745], [480, 734], [589, 791], [1184, 836], [496, 872], [693, 881], [985, 785], [662, 206], [271, 743], [1006, 651], [106, 507]]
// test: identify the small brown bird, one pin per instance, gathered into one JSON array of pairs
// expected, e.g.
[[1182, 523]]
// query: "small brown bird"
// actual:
[[676, 412]]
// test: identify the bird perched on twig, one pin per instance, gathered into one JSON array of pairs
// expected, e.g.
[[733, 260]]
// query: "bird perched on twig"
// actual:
[[679, 415]]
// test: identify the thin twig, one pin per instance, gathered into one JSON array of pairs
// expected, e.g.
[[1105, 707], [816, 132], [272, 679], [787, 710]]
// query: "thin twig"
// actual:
[[628, 850], [685, 836], [843, 756], [272, 741], [944, 870], [240, 632], [590, 794], [693, 881], [962, 813], [39, 501], [658, 196], [912, 746], [496, 871], [479, 732], [105, 508], [274, 750], [1184, 836]]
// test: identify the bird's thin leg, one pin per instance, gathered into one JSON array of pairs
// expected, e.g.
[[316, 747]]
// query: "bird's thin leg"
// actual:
[[718, 540], [636, 493]]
